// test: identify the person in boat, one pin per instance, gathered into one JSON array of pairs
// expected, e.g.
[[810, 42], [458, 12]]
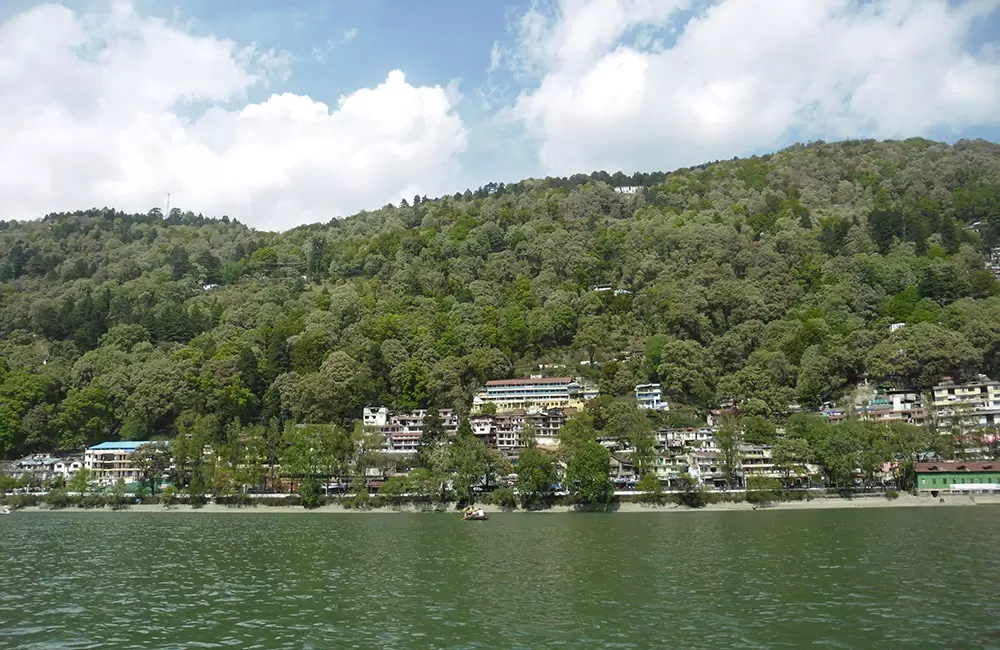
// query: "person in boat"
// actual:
[[469, 511]]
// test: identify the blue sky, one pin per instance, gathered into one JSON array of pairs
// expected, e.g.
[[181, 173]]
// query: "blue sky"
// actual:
[[489, 91]]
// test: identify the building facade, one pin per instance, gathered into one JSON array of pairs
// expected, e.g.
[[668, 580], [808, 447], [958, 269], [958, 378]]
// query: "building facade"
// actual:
[[958, 476], [111, 461], [542, 392], [969, 406], [650, 396]]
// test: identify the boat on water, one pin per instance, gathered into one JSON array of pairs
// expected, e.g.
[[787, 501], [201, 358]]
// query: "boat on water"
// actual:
[[5, 511], [474, 515]]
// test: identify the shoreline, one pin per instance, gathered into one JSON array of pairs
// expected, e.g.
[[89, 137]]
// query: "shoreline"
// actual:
[[823, 503]]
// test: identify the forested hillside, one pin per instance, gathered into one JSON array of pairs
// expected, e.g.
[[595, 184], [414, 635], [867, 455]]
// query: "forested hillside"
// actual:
[[772, 279]]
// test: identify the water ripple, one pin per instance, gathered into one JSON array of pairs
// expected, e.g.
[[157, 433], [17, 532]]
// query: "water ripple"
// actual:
[[832, 579]]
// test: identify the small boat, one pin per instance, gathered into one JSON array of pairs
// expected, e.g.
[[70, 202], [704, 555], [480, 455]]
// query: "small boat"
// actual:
[[5, 511], [474, 515]]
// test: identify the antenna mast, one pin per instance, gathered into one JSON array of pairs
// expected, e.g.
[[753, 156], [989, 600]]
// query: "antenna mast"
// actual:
[[168, 204]]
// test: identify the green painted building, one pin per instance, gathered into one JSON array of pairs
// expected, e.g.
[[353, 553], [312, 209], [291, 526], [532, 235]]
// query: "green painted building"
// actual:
[[971, 476]]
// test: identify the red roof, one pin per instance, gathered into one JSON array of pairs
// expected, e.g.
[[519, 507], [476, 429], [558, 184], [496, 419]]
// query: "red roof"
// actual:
[[958, 466], [522, 382]]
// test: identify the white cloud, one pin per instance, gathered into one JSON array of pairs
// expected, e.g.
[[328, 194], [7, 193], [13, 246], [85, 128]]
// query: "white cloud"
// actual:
[[743, 75], [96, 112], [351, 34]]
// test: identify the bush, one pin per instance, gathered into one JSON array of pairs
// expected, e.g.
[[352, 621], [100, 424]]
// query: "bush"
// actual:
[[58, 499], [196, 500], [503, 497], [91, 501], [16, 501], [891, 494], [648, 483], [309, 494], [695, 498], [169, 496], [239, 500]]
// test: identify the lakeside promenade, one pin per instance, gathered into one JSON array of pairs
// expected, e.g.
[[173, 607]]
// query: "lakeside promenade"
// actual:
[[822, 503]]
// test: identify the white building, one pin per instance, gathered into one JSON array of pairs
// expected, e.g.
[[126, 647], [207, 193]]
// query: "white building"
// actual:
[[649, 396], [375, 416], [970, 406], [543, 392], [44, 467], [403, 431], [110, 461], [629, 189]]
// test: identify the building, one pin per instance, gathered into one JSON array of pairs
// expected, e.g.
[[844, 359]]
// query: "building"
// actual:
[[111, 461], [895, 405], [543, 392], [957, 476], [402, 431], [649, 396], [44, 467], [374, 416], [970, 406], [676, 440], [629, 189], [993, 264]]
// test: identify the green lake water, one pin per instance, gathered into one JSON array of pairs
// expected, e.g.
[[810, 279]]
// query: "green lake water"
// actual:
[[877, 578]]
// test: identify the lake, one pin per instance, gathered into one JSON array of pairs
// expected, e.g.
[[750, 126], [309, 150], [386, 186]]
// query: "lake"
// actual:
[[859, 578]]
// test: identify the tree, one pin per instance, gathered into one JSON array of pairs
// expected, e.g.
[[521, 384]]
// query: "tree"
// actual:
[[587, 473], [536, 475], [789, 456], [758, 431], [728, 439], [152, 459], [474, 463], [432, 437], [578, 430], [80, 481]]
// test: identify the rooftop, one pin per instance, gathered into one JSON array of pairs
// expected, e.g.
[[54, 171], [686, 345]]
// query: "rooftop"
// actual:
[[523, 382], [124, 445], [958, 466]]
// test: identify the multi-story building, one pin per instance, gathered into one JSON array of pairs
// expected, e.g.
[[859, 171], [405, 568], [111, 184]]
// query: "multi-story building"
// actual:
[[650, 396], [373, 416], [958, 476], [676, 440], [880, 405], [402, 431], [543, 392], [970, 406], [894, 405], [44, 467], [111, 461]]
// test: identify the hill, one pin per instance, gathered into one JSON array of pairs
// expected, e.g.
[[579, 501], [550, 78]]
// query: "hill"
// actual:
[[772, 279]]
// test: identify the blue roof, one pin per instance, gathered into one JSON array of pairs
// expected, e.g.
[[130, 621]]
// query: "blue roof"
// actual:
[[127, 445]]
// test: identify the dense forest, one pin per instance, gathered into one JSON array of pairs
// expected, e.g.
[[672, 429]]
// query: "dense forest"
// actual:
[[769, 281]]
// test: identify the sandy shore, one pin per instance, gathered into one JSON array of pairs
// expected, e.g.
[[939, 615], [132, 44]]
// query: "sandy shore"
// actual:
[[904, 501]]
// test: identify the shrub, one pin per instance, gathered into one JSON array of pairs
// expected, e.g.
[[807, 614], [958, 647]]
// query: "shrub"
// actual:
[[169, 496], [310, 494], [503, 497], [891, 494], [58, 499], [16, 501], [91, 501], [648, 483], [694, 498], [197, 500], [239, 500]]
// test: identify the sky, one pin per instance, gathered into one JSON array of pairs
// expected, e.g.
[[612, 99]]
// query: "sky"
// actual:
[[285, 112]]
